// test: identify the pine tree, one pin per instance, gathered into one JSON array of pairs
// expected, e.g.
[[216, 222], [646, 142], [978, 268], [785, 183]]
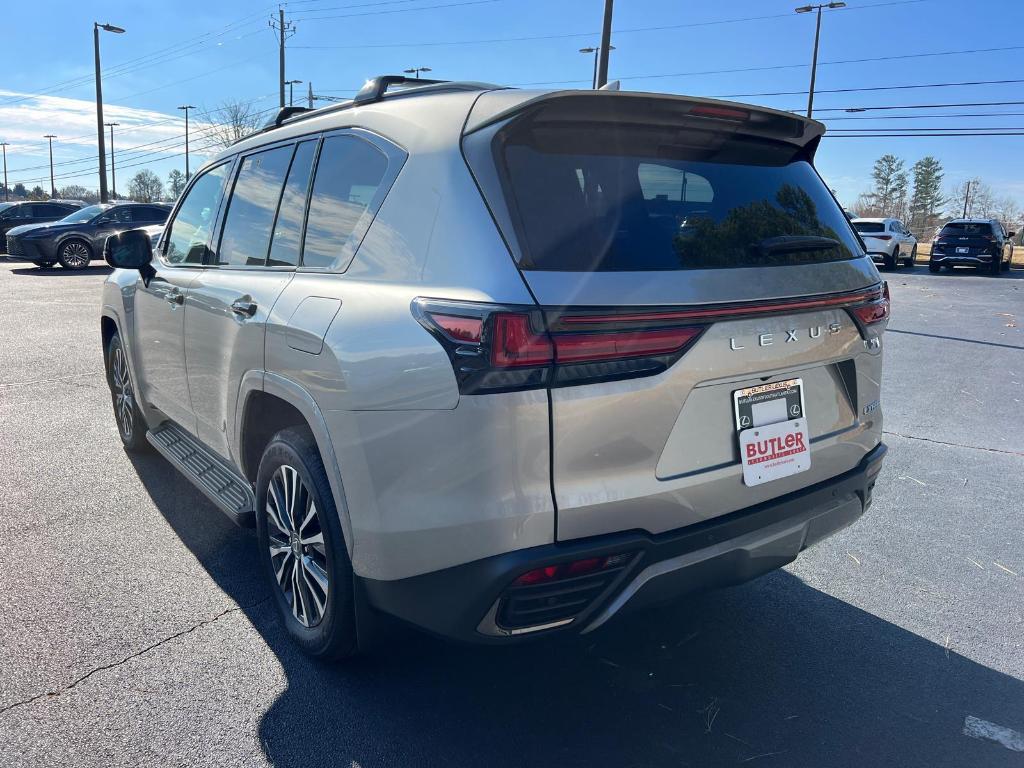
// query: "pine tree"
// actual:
[[890, 192], [927, 201]]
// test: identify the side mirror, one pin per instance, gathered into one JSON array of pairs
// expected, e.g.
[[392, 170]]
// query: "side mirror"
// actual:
[[131, 249], [1011, 234]]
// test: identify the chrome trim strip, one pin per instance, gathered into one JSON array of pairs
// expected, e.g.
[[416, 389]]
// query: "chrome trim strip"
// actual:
[[489, 625]]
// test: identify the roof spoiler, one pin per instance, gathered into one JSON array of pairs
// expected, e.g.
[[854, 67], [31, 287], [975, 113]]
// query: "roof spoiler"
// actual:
[[629, 106]]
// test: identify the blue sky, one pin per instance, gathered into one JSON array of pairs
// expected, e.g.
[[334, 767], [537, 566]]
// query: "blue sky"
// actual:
[[185, 51]]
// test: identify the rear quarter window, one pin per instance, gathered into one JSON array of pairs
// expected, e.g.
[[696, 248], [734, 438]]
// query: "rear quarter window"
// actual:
[[869, 227]]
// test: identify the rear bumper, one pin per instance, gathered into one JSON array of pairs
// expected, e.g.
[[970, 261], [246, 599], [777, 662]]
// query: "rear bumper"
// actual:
[[962, 259], [465, 602]]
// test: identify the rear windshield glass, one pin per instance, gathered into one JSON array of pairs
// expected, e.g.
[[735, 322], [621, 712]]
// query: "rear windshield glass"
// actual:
[[966, 228], [866, 227], [614, 200]]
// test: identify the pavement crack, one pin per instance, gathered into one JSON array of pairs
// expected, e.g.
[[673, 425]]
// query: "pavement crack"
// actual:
[[954, 445], [75, 683]]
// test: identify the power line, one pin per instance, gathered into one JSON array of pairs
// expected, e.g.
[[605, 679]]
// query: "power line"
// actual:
[[916, 135], [872, 88], [399, 10], [837, 131], [928, 117], [924, 106]]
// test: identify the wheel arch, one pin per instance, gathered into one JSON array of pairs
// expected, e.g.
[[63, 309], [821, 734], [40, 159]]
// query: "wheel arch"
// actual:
[[268, 403]]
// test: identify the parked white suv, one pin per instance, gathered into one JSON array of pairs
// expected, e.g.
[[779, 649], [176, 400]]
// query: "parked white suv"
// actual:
[[505, 363], [888, 241]]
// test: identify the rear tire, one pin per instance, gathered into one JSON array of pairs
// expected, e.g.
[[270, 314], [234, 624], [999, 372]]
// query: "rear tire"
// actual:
[[75, 255], [890, 262], [996, 267], [934, 268], [131, 424], [302, 547]]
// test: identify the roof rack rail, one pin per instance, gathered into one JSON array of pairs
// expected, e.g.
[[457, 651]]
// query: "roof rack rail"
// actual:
[[375, 88], [283, 114]]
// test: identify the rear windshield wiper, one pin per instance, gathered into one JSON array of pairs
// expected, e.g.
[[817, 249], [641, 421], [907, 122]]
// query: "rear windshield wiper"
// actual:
[[796, 244]]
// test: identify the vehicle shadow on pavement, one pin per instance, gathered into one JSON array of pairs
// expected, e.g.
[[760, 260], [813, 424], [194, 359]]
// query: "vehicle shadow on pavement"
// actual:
[[773, 672]]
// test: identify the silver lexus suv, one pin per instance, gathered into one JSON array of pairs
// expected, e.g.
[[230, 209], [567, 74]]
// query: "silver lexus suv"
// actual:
[[506, 363]]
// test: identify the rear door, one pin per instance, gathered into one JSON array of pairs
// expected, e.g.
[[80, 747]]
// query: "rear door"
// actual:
[[682, 265], [225, 325]]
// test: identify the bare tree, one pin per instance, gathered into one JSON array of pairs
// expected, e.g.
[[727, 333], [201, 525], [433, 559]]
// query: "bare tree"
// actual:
[[231, 121], [145, 187]]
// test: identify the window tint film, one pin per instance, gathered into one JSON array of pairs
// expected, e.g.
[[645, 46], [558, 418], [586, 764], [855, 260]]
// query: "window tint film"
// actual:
[[867, 227], [121, 214], [189, 232], [253, 206], [348, 175], [284, 250], [619, 198]]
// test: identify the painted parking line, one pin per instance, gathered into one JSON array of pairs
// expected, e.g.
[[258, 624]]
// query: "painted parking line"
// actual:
[[977, 728]]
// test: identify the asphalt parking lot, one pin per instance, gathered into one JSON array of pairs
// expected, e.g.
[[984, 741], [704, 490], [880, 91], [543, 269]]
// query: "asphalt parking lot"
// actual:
[[134, 629]]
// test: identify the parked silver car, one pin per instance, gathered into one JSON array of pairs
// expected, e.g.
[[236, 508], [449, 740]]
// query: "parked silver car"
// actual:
[[888, 241], [505, 363]]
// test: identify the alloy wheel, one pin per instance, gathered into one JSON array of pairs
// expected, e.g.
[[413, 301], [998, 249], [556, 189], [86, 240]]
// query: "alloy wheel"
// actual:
[[296, 545], [124, 399], [76, 255]]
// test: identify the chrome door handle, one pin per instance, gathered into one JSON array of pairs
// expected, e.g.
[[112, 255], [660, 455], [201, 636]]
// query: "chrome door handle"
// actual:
[[244, 307], [175, 297]]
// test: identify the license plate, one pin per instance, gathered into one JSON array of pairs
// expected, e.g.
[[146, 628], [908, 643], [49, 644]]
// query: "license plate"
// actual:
[[963, 250], [773, 436]]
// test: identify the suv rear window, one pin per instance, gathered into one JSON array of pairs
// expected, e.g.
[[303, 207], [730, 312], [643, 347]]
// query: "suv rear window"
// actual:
[[628, 197], [966, 229], [867, 227]]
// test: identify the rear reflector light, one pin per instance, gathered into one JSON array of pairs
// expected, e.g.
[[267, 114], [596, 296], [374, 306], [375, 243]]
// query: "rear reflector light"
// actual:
[[568, 570]]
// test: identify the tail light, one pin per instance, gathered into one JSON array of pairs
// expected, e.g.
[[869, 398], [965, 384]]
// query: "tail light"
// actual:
[[881, 237], [875, 310], [495, 349]]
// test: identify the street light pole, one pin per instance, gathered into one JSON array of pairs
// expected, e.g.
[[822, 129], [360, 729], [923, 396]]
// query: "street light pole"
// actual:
[[595, 50], [417, 70], [96, 27], [53, 190], [3, 146], [113, 176], [606, 45], [817, 35], [291, 91], [186, 107]]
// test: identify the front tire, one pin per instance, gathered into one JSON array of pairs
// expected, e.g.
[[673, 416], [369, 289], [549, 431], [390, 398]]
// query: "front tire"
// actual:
[[131, 424], [74, 255], [302, 547]]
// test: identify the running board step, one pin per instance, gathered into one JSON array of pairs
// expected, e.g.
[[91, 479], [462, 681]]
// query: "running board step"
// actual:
[[209, 473]]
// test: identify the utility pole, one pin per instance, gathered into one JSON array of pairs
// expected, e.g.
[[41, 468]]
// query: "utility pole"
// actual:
[[96, 27], [3, 146], [113, 177], [967, 196], [817, 35], [53, 189], [310, 96], [606, 45], [283, 29], [186, 108]]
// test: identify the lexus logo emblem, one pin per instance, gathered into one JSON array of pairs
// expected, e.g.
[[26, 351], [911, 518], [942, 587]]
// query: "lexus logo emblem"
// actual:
[[787, 336]]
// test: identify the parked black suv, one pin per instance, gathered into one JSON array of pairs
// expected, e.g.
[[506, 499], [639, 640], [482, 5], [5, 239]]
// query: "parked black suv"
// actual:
[[32, 212], [78, 238], [981, 243]]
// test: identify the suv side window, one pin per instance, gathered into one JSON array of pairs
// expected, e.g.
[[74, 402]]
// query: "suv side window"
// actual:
[[120, 215], [249, 222], [348, 176], [146, 214], [284, 250], [188, 233]]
